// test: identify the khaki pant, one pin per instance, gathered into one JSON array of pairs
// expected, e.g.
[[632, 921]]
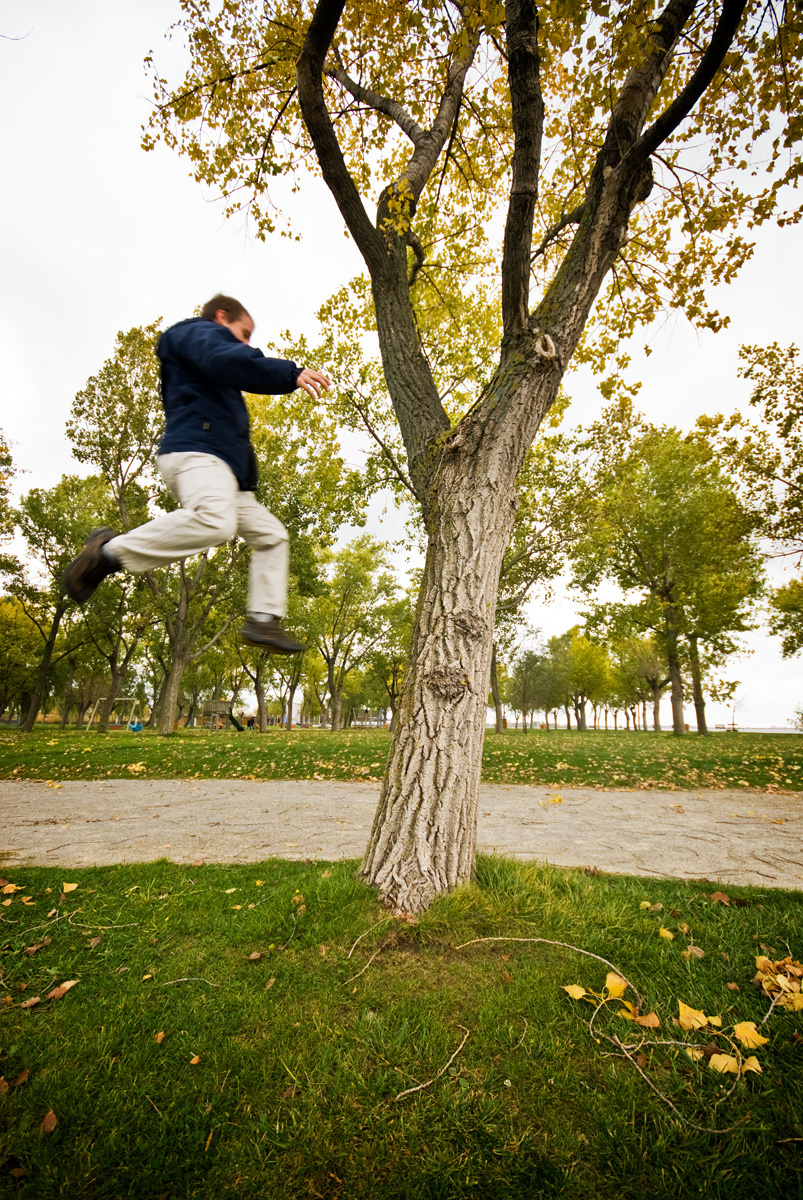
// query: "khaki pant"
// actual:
[[213, 510]]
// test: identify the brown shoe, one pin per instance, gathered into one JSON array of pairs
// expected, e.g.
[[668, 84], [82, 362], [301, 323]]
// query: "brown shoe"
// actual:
[[269, 635], [90, 567]]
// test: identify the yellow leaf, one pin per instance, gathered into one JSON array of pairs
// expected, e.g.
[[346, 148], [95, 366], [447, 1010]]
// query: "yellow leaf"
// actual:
[[144, 977], [726, 1064], [615, 984], [650, 1021], [644, 904], [160, 1037], [630, 1011], [694, 1054], [68, 887], [715, 1021], [748, 1035], [751, 1064], [764, 964], [666, 933], [10, 888], [230, 890], [575, 991], [691, 1018]]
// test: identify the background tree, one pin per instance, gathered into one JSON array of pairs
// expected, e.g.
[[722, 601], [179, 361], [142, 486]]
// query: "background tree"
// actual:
[[55, 523], [766, 457], [438, 115], [20, 651], [663, 520], [350, 617]]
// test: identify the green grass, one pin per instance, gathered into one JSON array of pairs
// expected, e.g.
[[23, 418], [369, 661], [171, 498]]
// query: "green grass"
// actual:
[[616, 760], [300, 1056]]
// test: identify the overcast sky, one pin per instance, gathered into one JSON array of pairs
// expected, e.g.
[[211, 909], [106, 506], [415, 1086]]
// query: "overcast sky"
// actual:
[[99, 236]]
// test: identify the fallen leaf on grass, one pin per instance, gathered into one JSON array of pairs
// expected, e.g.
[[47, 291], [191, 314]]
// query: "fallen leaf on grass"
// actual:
[[272, 980], [50, 1121], [507, 977], [21, 1078], [797, 1038], [196, 1058], [656, 907], [11, 888], [575, 991], [748, 1035], [18, 1172], [254, 956], [694, 1018], [692, 952], [666, 933], [38, 946], [3, 1085], [720, 897], [95, 942], [68, 887], [650, 1021], [160, 1037], [732, 987], [61, 990], [615, 985]]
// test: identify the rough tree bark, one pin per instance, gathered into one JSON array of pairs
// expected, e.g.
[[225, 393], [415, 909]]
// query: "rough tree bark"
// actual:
[[697, 684], [423, 836]]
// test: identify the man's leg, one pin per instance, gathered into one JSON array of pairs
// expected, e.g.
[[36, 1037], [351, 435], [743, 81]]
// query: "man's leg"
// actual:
[[267, 577], [208, 492]]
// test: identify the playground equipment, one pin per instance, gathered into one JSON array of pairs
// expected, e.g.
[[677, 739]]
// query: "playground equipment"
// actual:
[[220, 708], [120, 701]]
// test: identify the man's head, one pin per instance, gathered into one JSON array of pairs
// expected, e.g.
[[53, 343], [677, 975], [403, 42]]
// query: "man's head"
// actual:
[[225, 310]]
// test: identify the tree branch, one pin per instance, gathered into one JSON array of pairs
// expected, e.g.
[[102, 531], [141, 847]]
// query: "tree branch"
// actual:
[[527, 108], [724, 33], [383, 104], [427, 152], [309, 74]]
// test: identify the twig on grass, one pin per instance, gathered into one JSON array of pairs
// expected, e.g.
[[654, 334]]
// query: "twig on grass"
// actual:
[[409, 1091], [565, 945], [189, 979], [367, 965], [523, 1036], [384, 921], [665, 1099]]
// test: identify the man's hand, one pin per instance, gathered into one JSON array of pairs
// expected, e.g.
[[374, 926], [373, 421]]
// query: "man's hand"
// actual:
[[314, 382]]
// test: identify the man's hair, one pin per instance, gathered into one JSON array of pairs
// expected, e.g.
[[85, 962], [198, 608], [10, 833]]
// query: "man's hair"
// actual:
[[231, 307]]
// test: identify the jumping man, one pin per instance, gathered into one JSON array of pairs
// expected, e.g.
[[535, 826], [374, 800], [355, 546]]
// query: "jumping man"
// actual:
[[208, 463]]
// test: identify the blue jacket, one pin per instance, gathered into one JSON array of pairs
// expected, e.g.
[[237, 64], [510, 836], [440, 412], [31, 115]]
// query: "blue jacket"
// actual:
[[205, 369]]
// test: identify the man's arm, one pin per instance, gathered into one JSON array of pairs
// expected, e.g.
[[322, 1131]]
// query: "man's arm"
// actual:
[[212, 350]]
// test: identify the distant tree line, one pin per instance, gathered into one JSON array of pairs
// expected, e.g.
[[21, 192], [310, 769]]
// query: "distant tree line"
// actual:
[[678, 524]]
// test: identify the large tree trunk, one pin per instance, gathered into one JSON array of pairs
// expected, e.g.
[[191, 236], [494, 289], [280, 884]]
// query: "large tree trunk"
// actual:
[[424, 832], [168, 705], [656, 709], [44, 668], [697, 685], [675, 674], [497, 699]]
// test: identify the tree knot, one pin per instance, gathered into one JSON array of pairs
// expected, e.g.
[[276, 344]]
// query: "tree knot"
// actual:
[[470, 624], [449, 682]]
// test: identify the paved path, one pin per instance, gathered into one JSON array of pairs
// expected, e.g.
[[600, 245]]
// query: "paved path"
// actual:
[[723, 836]]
